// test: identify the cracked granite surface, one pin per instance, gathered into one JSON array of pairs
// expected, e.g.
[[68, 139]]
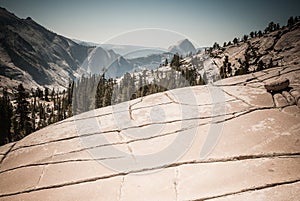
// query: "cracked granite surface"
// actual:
[[229, 141]]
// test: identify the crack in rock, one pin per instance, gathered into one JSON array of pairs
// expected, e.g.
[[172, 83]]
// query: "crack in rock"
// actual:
[[250, 157], [176, 183], [130, 108], [7, 152], [236, 115], [133, 172], [41, 176], [255, 157], [171, 99], [270, 185], [121, 188], [237, 98], [58, 162]]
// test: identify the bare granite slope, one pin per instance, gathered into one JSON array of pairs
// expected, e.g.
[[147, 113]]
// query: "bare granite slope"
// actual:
[[279, 48], [232, 140]]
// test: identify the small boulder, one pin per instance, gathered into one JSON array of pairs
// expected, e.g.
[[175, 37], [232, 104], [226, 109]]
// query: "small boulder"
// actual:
[[279, 100], [296, 94], [277, 85], [290, 99]]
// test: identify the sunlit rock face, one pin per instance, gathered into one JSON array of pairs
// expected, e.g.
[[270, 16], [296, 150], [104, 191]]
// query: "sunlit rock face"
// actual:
[[183, 47], [232, 140]]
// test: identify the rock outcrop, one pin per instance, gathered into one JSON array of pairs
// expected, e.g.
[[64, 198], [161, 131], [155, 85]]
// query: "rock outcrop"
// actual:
[[232, 140], [277, 85], [183, 47], [279, 48]]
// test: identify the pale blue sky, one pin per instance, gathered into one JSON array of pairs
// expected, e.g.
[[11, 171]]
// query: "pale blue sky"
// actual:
[[203, 22]]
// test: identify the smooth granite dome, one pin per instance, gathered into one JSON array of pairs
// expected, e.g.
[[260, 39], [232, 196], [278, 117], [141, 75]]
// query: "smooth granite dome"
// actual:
[[232, 140]]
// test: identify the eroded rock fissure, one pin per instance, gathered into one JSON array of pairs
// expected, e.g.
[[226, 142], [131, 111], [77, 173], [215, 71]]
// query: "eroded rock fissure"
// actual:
[[256, 188], [7, 152], [234, 115], [59, 162], [163, 167]]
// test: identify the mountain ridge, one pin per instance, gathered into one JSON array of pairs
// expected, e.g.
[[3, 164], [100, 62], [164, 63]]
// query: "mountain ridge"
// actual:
[[35, 56]]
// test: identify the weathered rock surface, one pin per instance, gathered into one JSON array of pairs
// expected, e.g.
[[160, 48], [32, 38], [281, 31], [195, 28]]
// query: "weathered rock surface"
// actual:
[[290, 99], [282, 46], [229, 141], [277, 85], [279, 100]]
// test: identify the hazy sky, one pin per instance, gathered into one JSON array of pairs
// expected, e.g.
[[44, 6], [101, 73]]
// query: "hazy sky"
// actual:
[[147, 22]]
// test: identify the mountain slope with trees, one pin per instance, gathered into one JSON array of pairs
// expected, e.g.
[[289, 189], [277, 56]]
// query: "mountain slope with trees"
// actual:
[[276, 46], [26, 111], [35, 56]]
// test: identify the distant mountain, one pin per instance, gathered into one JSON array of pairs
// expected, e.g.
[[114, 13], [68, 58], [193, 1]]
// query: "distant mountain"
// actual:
[[118, 68], [84, 43], [127, 51], [152, 61], [183, 47], [105, 61], [138, 53], [131, 51], [32, 55], [279, 47], [98, 60], [35, 56], [130, 58]]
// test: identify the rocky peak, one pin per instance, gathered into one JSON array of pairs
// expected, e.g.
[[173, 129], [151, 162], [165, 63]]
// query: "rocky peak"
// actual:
[[183, 47]]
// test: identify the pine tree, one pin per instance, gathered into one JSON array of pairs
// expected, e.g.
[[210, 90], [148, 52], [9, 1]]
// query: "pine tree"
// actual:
[[205, 79], [252, 34], [216, 46], [225, 70], [260, 65], [52, 95], [6, 111], [33, 108], [270, 28], [175, 62], [200, 81], [39, 93], [235, 41], [46, 92], [103, 95], [222, 72], [291, 22], [70, 92], [22, 118]]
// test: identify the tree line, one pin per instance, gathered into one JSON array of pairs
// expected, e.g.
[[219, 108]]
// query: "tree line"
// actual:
[[251, 55], [146, 82], [25, 111], [271, 27]]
